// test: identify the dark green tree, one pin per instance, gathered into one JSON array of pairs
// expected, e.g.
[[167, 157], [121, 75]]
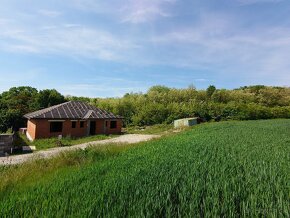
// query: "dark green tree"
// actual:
[[210, 90], [14, 104], [49, 97]]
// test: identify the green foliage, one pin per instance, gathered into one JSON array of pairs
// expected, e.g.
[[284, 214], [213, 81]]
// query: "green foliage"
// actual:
[[49, 97], [159, 105], [75, 98], [159, 89], [227, 169], [163, 105], [210, 90], [21, 100], [14, 104]]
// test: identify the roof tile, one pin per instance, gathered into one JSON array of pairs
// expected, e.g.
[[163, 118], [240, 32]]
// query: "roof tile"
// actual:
[[71, 110]]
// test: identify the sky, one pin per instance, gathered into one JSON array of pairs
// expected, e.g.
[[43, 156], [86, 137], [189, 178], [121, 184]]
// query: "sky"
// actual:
[[98, 48]]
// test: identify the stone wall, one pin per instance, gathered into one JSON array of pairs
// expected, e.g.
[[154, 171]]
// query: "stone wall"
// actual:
[[6, 143]]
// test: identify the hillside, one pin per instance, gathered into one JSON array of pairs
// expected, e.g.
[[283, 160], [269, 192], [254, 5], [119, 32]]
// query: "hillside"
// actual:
[[216, 169]]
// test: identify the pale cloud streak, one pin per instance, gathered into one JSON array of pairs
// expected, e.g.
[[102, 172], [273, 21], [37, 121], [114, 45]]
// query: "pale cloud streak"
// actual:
[[232, 51], [49, 13], [66, 40], [100, 89], [131, 11], [140, 11], [250, 2]]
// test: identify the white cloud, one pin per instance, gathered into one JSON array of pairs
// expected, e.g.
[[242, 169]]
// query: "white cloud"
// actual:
[[15, 78], [206, 41], [250, 2], [22, 48], [99, 90], [140, 11], [219, 45], [67, 40], [201, 80], [131, 11], [49, 13]]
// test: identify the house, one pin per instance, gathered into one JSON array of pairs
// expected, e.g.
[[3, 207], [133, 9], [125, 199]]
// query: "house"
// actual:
[[73, 118]]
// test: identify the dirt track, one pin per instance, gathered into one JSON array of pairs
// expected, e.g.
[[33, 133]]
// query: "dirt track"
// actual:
[[130, 138]]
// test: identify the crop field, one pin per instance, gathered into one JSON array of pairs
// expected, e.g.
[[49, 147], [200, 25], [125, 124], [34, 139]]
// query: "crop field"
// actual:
[[229, 169]]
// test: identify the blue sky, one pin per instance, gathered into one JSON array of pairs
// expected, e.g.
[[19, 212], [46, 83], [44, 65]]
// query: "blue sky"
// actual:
[[107, 48]]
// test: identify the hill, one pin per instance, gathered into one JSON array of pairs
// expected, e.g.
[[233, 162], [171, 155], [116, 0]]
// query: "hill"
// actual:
[[238, 168]]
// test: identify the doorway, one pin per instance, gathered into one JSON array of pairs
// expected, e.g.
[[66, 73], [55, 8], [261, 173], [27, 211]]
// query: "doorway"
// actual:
[[92, 127]]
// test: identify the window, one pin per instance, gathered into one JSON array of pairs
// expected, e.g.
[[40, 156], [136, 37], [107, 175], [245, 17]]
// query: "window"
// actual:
[[82, 124], [73, 124], [113, 124], [56, 127], [106, 123]]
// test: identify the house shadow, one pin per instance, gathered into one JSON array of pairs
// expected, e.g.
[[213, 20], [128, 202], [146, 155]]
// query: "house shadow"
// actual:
[[19, 143]]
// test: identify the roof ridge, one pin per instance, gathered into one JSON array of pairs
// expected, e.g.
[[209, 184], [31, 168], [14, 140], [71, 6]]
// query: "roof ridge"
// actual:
[[88, 114]]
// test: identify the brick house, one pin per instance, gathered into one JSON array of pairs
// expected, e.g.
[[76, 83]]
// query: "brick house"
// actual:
[[73, 118]]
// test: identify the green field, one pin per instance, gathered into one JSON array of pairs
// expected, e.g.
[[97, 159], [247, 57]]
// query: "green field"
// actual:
[[224, 169]]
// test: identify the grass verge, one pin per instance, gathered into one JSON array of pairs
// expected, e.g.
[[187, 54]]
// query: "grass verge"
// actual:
[[42, 144]]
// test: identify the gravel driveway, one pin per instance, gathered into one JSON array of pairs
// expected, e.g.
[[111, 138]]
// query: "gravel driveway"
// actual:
[[129, 138]]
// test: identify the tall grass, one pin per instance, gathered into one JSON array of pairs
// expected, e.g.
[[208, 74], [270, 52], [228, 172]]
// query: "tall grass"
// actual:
[[42, 144], [225, 169]]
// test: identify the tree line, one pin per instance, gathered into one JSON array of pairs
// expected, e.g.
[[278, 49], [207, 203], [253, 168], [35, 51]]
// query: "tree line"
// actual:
[[21, 100], [160, 104]]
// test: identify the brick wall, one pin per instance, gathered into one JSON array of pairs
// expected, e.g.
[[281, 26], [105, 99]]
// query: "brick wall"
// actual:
[[40, 128], [116, 130], [31, 128]]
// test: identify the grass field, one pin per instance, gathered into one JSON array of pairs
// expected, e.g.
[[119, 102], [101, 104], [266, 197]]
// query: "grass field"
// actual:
[[225, 169]]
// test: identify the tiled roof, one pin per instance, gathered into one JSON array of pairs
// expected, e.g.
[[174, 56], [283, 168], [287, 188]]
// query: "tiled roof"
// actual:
[[71, 110]]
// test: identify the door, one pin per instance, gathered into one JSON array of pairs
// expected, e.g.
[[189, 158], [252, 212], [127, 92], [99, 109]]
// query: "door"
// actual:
[[92, 127]]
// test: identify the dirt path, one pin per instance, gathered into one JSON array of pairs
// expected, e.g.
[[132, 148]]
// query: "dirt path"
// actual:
[[130, 139]]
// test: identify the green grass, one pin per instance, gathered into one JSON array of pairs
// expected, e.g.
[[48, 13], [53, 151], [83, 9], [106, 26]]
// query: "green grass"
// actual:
[[155, 129], [42, 144], [9, 131], [227, 169]]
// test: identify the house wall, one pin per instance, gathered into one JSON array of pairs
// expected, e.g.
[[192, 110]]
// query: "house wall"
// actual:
[[31, 128], [40, 128], [101, 127], [117, 130]]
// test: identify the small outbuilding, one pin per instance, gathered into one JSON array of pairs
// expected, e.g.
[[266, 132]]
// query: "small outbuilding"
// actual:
[[185, 122], [73, 118]]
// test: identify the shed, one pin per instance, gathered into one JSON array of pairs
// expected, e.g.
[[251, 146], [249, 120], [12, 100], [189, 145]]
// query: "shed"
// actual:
[[185, 122]]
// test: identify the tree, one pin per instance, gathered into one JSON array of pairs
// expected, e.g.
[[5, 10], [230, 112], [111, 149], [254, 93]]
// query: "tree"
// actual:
[[49, 97], [160, 89], [210, 90], [14, 104]]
